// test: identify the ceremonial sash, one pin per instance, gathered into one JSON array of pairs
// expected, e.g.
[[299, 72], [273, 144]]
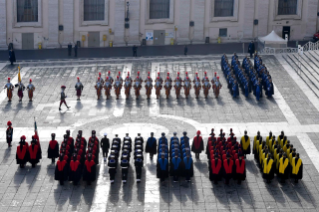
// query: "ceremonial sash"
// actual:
[[245, 144], [33, 152], [61, 165], [74, 165], [21, 153], [216, 167], [267, 166], [240, 166], [89, 164], [283, 165], [296, 167], [52, 144], [228, 166]]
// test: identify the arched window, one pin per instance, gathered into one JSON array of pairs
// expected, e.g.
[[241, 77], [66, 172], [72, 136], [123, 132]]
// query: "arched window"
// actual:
[[159, 9], [27, 10], [94, 10], [287, 7], [224, 8]]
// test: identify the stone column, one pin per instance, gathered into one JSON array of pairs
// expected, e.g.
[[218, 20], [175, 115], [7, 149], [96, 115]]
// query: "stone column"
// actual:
[[119, 22], [3, 24], [199, 19], [134, 30], [263, 11], [53, 19], [183, 22], [68, 22], [248, 18]]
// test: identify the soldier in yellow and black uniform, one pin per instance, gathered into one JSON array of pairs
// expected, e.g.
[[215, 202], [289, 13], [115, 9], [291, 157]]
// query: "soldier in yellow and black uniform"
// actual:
[[297, 168], [284, 168], [245, 144]]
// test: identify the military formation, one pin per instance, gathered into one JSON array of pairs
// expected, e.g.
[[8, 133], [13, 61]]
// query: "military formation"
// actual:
[[249, 77], [77, 159]]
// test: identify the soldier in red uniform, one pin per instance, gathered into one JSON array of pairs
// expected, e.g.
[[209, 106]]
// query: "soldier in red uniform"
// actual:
[[75, 171], [215, 172], [240, 169], [53, 149], [198, 144], [228, 165], [61, 170], [9, 133], [89, 170], [35, 153], [22, 155]]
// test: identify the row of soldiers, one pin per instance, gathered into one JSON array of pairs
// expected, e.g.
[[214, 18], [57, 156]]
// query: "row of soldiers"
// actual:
[[226, 157], [176, 160], [277, 156], [20, 86]]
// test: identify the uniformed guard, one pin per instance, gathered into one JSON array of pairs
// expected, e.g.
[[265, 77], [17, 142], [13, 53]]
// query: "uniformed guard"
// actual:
[[22, 154], [151, 146], [30, 89], [188, 169], [35, 153], [63, 97], [75, 170], [162, 168], [283, 169], [61, 170], [9, 133], [105, 145], [53, 149], [112, 164], [89, 174], [215, 172], [240, 169], [268, 168], [138, 162], [21, 88], [125, 164], [79, 88], [297, 168], [176, 167], [228, 164], [198, 144], [9, 88], [216, 87], [98, 86]]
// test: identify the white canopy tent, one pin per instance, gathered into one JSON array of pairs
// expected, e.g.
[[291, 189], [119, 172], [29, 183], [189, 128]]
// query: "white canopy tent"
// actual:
[[272, 41]]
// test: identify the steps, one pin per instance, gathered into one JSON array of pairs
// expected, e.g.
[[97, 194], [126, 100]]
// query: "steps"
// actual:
[[307, 67]]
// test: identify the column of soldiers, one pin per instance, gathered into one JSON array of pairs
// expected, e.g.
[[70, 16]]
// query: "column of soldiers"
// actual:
[[9, 87], [251, 78], [277, 156], [225, 158], [159, 83]]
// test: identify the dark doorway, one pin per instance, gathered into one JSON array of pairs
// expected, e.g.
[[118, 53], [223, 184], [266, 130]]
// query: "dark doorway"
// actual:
[[286, 30]]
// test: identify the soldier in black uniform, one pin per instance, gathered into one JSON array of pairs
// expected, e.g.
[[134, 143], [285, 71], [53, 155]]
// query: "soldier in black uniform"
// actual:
[[105, 145]]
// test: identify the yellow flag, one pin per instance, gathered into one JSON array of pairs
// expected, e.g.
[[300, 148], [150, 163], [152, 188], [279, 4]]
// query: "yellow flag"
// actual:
[[19, 76]]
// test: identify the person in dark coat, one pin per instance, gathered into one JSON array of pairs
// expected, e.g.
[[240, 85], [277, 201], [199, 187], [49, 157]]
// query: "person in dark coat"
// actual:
[[297, 168], [75, 50], [251, 49], [9, 133], [198, 144], [138, 167], [89, 170], [151, 146], [185, 50], [22, 155], [61, 170], [75, 171], [12, 56], [188, 167], [105, 146], [240, 169], [134, 51], [268, 168], [53, 148], [34, 151], [216, 166], [162, 168]]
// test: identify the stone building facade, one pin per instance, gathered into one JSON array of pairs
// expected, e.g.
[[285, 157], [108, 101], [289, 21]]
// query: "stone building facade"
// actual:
[[101, 23]]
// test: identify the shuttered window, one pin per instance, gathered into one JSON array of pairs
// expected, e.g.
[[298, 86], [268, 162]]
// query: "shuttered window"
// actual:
[[224, 8], [94, 10], [159, 9], [27, 10], [287, 7]]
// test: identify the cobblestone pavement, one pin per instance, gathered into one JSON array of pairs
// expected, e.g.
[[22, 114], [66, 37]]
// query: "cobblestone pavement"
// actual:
[[30, 189]]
